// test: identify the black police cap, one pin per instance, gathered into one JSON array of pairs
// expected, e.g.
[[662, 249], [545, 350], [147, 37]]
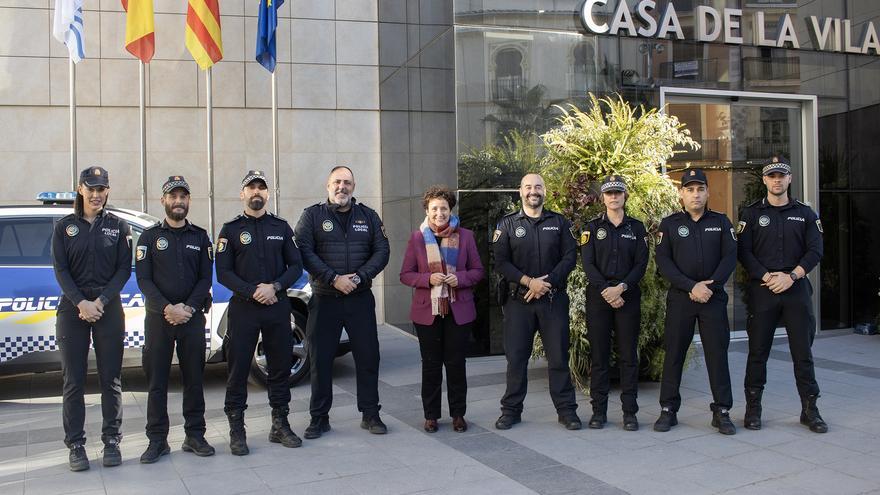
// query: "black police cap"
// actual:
[[173, 183], [253, 175], [95, 176], [693, 175], [613, 183], [776, 165]]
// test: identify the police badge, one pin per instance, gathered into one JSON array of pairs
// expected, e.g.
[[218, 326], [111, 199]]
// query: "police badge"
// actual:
[[585, 238], [221, 245], [496, 236], [141, 253], [740, 227]]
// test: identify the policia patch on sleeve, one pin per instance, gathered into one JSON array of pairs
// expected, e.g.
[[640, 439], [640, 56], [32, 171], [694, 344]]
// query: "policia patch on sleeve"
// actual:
[[819, 226], [573, 232], [659, 238], [740, 227], [585, 238], [496, 236], [211, 252], [733, 234], [381, 226], [221, 245], [141, 253]]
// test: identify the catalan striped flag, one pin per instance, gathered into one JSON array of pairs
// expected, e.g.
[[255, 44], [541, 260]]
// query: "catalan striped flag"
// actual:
[[68, 27], [140, 40], [203, 38], [266, 25]]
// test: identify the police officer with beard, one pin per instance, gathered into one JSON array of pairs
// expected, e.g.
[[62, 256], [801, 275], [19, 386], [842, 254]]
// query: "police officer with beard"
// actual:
[[614, 251], [258, 259], [696, 253], [174, 264], [535, 251], [344, 248], [91, 254], [780, 243]]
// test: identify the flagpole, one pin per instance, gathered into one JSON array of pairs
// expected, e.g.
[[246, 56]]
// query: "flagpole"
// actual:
[[143, 118], [275, 143], [210, 143], [72, 98]]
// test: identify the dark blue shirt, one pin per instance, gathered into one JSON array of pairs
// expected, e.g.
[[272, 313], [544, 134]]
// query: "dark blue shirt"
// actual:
[[535, 247], [614, 254], [691, 251], [773, 239]]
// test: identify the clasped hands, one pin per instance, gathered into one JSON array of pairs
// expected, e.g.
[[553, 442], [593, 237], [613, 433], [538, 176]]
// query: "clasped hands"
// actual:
[[701, 293], [612, 296], [90, 311], [177, 314], [538, 287], [777, 282], [442, 278]]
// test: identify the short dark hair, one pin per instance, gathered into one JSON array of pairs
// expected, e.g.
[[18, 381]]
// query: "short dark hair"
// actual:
[[438, 192]]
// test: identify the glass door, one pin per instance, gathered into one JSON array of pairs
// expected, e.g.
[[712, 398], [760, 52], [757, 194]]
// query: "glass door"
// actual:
[[737, 137]]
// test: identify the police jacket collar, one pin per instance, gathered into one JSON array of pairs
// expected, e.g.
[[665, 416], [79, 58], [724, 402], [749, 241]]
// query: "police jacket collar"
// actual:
[[603, 218], [706, 214], [766, 204], [255, 219], [544, 214], [335, 208], [164, 225], [99, 215]]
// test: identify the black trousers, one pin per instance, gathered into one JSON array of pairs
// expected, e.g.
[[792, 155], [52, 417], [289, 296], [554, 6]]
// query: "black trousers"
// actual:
[[681, 315], [795, 309], [327, 315], [247, 321], [158, 349], [73, 336], [521, 321], [443, 344], [625, 323]]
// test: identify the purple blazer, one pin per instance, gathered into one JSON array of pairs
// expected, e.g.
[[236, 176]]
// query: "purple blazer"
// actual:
[[415, 273]]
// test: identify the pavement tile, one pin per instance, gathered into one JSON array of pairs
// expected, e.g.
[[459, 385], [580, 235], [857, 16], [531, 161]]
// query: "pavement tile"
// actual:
[[225, 483]]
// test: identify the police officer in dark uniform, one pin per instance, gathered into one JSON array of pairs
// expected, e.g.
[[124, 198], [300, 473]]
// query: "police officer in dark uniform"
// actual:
[[614, 250], [780, 243], [174, 262], [91, 253], [258, 259], [535, 250], [344, 248], [696, 253]]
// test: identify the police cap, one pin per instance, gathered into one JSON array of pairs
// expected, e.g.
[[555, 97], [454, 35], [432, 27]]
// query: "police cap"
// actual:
[[253, 175], [613, 183], [95, 176], [173, 183], [693, 175], [776, 165]]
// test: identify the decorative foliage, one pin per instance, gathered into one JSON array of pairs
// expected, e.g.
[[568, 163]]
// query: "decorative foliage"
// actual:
[[612, 137]]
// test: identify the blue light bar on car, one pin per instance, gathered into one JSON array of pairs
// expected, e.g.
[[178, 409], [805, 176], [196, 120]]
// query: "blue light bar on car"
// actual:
[[56, 197]]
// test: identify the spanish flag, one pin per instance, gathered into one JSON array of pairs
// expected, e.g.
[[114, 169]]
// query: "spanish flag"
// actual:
[[203, 39], [139, 38]]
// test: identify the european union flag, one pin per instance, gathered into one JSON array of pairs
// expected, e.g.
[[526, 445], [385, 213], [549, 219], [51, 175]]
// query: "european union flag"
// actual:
[[266, 25]]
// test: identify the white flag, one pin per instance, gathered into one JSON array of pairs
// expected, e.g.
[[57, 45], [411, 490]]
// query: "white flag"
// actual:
[[68, 27]]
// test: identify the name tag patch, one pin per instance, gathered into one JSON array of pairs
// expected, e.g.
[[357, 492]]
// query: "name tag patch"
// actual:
[[274, 238], [195, 248], [110, 232], [712, 229], [796, 219], [360, 227]]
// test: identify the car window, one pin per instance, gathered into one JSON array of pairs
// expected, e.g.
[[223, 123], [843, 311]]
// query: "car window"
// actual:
[[25, 241]]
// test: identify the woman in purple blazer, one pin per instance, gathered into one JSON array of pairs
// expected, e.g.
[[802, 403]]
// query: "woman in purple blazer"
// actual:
[[442, 264]]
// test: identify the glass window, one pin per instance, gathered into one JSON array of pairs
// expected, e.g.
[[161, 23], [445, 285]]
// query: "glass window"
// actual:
[[26, 241]]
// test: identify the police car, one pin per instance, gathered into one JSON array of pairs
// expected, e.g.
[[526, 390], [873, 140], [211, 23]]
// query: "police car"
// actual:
[[29, 296]]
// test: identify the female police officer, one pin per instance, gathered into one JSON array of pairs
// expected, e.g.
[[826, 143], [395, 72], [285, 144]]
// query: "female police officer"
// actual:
[[91, 253], [615, 256]]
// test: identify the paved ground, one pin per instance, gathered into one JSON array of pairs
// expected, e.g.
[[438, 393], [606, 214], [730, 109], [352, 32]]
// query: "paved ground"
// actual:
[[537, 456]]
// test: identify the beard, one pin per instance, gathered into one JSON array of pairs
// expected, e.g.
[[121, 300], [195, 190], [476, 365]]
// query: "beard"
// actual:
[[256, 203], [176, 215], [537, 197]]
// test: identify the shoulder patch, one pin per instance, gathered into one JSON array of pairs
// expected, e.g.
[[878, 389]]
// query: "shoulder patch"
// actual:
[[141, 253], [733, 234], [819, 226], [572, 231], [659, 237], [585, 238], [496, 235], [211, 252], [221, 245], [740, 227]]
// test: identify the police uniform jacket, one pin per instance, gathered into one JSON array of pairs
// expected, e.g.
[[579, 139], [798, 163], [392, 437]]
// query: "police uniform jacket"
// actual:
[[689, 252], [535, 248], [91, 257], [174, 266], [614, 254], [257, 250], [331, 248], [779, 238]]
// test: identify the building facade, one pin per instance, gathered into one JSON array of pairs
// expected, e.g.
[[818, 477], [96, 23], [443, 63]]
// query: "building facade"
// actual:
[[411, 92]]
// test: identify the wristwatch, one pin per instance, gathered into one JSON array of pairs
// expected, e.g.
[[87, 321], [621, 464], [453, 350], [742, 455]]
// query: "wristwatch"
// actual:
[[793, 276], [624, 286], [356, 279]]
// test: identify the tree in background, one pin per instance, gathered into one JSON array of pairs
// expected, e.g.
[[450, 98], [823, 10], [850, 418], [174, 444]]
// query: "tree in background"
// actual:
[[612, 137]]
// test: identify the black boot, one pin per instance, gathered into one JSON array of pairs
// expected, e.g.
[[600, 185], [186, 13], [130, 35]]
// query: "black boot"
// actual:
[[752, 418], [810, 415], [668, 418], [155, 450], [280, 431], [317, 427], [112, 454], [78, 460], [598, 419], [237, 436], [721, 420]]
